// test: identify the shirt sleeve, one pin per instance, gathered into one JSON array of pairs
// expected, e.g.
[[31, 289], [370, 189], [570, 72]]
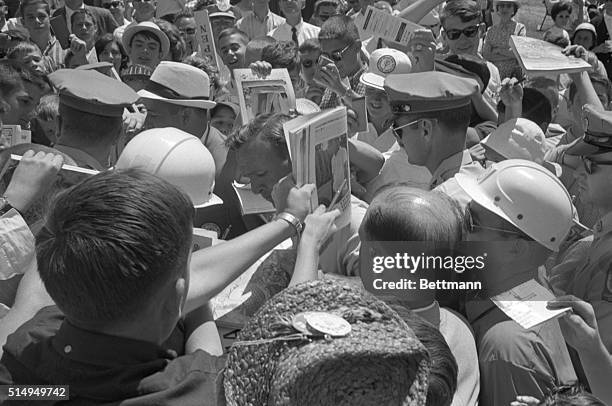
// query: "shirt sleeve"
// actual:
[[16, 245]]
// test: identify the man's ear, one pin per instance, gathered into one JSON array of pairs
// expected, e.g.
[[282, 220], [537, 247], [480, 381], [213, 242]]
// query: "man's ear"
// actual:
[[427, 128]]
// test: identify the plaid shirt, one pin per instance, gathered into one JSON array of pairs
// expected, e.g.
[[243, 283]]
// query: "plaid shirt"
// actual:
[[53, 55], [330, 99]]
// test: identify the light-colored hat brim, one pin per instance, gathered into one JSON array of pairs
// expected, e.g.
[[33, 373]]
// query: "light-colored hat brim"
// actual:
[[200, 104], [130, 31], [470, 185], [213, 201], [373, 80]]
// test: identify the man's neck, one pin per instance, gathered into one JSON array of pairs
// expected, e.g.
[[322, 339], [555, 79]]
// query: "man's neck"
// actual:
[[77, 6], [41, 40], [436, 162], [261, 12], [100, 152]]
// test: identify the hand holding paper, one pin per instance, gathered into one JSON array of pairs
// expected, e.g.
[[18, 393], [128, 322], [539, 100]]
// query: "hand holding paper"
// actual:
[[579, 327]]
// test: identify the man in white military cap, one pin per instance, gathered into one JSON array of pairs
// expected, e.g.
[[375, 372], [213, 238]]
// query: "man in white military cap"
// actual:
[[178, 95]]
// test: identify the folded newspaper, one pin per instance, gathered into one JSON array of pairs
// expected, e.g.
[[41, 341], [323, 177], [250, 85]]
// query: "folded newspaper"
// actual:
[[538, 56], [251, 203], [318, 147], [272, 94]]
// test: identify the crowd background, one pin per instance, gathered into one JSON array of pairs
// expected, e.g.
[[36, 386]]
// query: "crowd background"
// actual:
[[101, 286]]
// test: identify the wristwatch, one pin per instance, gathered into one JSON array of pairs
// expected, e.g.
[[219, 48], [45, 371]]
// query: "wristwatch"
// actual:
[[5, 206], [291, 219]]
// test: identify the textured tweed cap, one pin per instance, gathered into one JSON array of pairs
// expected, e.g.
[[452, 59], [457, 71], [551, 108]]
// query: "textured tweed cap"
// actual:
[[379, 362]]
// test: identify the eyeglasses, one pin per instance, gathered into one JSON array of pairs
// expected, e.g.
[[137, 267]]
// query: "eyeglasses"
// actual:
[[473, 226], [337, 56], [188, 31], [395, 129], [113, 4], [590, 165], [469, 32]]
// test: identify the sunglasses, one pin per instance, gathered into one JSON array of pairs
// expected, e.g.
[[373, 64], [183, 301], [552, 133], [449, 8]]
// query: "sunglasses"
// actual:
[[307, 63], [473, 227], [337, 56], [590, 166], [141, 1], [113, 4], [395, 129], [469, 32]]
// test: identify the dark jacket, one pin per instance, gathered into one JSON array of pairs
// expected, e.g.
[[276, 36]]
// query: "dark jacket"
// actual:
[[602, 36]]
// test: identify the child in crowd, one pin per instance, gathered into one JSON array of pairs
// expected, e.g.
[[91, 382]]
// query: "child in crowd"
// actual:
[[557, 34], [310, 50], [496, 47], [45, 126], [223, 117]]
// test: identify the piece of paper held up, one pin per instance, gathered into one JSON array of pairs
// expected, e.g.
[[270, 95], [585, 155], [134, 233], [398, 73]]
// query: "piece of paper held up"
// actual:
[[526, 304], [251, 203], [390, 28], [538, 56]]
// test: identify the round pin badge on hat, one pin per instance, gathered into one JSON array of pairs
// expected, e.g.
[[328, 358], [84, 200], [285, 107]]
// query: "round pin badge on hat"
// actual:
[[386, 64], [328, 323]]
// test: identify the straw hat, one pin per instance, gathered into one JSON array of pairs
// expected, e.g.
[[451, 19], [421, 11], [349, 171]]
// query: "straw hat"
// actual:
[[374, 358]]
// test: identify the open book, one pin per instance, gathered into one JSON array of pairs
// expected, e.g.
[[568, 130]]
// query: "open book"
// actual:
[[538, 56], [251, 203], [273, 94], [318, 147]]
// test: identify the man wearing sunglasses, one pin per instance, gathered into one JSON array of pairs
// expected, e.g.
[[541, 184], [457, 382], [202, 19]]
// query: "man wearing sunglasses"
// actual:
[[432, 113], [117, 9], [586, 271], [463, 29], [340, 44], [520, 214]]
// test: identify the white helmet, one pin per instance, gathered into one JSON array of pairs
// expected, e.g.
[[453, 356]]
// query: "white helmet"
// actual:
[[526, 195], [178, 158]]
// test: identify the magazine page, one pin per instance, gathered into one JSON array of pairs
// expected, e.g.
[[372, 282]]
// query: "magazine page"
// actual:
[[273, 94], [328, 163], [536, 55], [381, 24], [251, 203]]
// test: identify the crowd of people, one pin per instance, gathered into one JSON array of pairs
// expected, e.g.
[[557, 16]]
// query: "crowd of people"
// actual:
[[103, 289]]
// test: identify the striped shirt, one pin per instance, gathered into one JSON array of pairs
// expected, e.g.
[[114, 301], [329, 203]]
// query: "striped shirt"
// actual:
[[256, 27], [53, 55], [330, 99]]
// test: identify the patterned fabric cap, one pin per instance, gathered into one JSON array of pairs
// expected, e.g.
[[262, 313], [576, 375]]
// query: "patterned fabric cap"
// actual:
[[379, 362]]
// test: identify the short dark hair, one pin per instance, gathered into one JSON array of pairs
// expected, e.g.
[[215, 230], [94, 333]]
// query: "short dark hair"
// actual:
[[282, 55], [339, 27], [14, 73], [233, 31], [178, 47], [536, 107], [444, 368], [147, 35], [21, 49], [268, 127], [391, 217], [571, 396], [26, 3], [466, 10], [88, 125], [111, 242], [559, 7]]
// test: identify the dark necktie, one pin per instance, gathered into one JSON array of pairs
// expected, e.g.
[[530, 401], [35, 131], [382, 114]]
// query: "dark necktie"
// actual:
[[294, 36]]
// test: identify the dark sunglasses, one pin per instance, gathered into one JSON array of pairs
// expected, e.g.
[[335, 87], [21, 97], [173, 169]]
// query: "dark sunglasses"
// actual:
[[337, 56], [469, 32], [590, 166], [114, 4]]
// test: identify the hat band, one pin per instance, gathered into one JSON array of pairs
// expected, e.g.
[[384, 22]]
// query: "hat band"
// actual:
[[167, 93]]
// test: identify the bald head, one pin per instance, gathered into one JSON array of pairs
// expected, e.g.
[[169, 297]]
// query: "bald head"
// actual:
[[402, 213]]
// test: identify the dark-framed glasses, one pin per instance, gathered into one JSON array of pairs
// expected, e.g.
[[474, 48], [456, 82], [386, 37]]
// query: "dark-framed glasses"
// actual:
[[469, 32]]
